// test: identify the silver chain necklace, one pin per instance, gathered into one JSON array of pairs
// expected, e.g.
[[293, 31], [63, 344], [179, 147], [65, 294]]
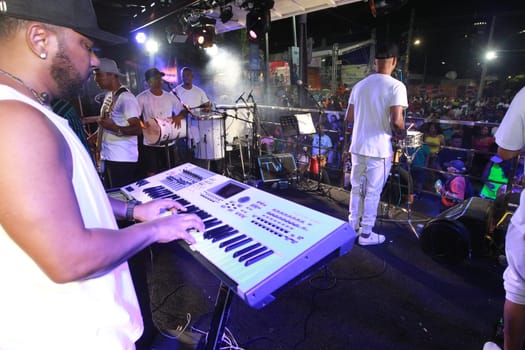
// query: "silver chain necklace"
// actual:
[[41, 97]]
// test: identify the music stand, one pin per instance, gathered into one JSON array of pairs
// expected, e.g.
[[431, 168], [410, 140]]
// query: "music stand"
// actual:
[[296, 125]]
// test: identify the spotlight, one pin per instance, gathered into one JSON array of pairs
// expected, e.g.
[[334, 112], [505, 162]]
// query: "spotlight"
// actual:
[[140, 37], [204, 35], [152, 46], [257, 23], [226, 13]]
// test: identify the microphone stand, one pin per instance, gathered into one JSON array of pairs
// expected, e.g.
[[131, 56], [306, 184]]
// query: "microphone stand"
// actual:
[[189, 142], [227, 169], [226, 115], [255, 132]]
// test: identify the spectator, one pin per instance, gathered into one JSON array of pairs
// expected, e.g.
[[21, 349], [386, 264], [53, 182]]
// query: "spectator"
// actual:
[[321, 143], [454, 189], [494, 176], [434, 139], [446, 154]]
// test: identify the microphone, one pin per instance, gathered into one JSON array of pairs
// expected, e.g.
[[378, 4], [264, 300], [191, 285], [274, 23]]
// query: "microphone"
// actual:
[[240, 98], [299, 82]]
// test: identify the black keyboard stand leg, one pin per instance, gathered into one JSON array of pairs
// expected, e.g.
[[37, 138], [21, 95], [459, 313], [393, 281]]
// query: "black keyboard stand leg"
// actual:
[[220, 317]]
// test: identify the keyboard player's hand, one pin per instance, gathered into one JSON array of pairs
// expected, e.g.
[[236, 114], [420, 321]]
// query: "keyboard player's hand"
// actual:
[[156, 208], [178, 226]]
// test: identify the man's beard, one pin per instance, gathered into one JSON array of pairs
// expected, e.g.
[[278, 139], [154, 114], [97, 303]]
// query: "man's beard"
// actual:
[[69, 81]]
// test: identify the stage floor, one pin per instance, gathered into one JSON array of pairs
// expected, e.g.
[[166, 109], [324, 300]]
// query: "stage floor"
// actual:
[[391, 296]]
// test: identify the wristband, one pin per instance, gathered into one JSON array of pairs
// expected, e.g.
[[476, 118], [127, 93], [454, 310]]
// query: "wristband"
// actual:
[[130, 207]]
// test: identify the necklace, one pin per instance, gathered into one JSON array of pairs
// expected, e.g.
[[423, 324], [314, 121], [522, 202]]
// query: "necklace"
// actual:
[[41, 97]]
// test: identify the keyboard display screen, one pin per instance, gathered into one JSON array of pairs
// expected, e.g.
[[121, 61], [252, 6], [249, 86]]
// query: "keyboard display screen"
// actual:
[[228, 190]]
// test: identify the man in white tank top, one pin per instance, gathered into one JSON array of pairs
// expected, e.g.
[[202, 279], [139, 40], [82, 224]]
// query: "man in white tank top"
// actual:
[[65, 280]]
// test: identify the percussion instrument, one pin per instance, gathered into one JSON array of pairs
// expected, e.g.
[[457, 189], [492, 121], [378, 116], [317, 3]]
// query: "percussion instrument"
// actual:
[[208, 137], [414, 139], [315, 163], [161, 131]]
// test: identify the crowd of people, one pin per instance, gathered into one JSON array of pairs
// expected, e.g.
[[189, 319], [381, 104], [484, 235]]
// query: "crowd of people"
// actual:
[[452, 128]]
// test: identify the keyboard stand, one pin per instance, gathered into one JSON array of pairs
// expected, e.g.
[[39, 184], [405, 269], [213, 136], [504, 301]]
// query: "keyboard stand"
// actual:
[[220, 317]]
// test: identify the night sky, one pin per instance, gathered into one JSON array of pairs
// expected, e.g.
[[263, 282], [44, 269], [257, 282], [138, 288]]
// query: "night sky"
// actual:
[[450, 40]]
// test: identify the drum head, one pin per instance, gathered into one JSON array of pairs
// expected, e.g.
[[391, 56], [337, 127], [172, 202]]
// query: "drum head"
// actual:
[[446, 241]]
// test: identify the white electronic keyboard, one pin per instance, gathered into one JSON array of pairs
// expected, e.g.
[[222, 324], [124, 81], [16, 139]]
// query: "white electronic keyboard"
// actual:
[[254, 242]]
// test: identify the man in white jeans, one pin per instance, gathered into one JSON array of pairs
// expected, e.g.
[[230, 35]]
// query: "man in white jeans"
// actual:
[[375, 107]]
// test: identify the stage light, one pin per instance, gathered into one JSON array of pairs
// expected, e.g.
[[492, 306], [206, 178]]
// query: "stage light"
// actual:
[[152, 46], [204, 35], [226, 14], [491, 55], [383, 7], [257, 24], [140, 38]]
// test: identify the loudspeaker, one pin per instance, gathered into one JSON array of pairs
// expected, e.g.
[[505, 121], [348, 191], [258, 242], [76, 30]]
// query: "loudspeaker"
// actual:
[[277, 167], [458, 232]]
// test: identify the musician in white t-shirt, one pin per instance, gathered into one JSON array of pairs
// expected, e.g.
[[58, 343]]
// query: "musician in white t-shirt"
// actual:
[[162, 112], [119, 125], [376, 107], [198, 104]]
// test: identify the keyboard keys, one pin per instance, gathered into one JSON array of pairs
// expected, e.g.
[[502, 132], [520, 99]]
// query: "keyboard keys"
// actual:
[[211, 223], [216, 231], [231, 241], [238, 244], [252, 254], [246, 250], [258, 258]]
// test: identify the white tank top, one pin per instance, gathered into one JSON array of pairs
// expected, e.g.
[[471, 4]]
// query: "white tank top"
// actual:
[[36, 313]]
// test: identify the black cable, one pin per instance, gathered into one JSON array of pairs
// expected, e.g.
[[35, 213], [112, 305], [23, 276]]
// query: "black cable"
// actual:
[[165, 299], [328, 272], [307, 318]]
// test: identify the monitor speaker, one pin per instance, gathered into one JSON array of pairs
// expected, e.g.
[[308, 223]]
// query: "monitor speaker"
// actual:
[[277, 167], [459, 232]]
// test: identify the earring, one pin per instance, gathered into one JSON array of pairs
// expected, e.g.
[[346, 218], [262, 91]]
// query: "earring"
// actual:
[[43, 55]]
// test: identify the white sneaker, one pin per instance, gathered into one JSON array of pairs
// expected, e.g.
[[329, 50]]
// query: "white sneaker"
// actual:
[[372, 239], [491, 346]]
